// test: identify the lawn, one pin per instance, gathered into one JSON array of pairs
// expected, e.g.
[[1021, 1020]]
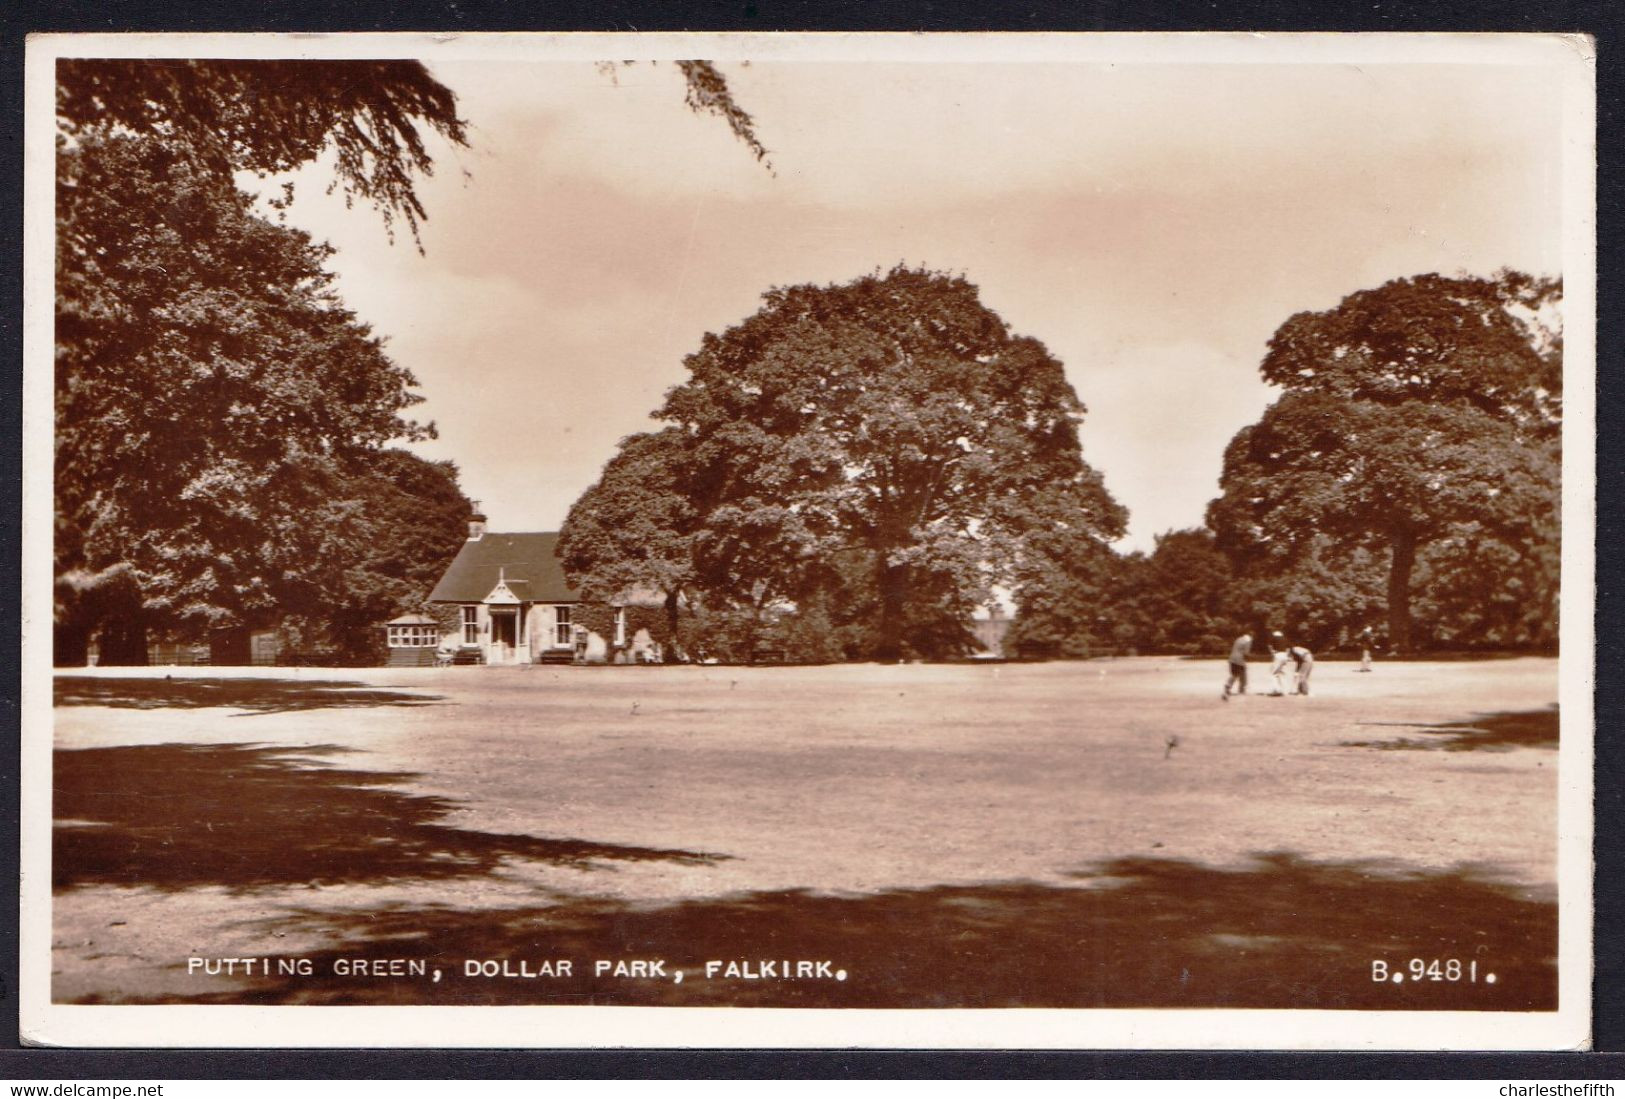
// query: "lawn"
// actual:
[[1103, 833]]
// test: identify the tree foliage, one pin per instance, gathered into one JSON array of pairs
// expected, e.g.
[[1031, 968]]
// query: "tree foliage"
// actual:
[[1179, 598], [212, 393], [1423, 413], [413, 518], [1324, 599], [633, 529], [1182, 595], [708, 93], [886, 444], [1076, 604], [1493, 345], [270, 116], [217, 408]]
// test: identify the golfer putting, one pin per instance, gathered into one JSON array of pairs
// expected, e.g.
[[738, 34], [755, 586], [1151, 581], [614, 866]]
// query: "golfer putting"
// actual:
[[1303, 663]]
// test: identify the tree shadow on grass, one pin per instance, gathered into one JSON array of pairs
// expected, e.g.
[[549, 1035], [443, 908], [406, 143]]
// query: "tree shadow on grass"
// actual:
[[1277, 932], [179, 816], [1498, 732], [257, 696]]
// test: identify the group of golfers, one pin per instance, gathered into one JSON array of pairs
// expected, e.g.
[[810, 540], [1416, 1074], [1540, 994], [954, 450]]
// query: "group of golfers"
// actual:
[[1301, 660]]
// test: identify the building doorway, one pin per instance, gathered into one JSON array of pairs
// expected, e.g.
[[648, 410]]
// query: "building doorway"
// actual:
[[504, 633]]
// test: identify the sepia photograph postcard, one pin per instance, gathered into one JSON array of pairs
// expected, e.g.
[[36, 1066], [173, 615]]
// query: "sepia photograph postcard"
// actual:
[[985, 541]]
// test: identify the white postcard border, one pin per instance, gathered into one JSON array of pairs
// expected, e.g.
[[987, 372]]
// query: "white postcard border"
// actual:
[[1572, 58]]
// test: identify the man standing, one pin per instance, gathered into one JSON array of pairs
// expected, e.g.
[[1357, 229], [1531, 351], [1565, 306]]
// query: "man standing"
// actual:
[[1305, 661], [1238, 666], [1278, 659], [1368, 641]]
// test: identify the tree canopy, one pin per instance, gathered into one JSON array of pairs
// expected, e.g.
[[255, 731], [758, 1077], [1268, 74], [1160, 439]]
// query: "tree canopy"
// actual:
[[1416, 417], [634, 528], [1491, 344], [886, 444], [1179, 598], [216, 404], [413, 520], [212, 394], [270, 116]]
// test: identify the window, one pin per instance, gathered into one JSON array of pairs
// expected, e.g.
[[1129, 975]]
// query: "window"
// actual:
[[563, 632], [471, 625], [413, 637]]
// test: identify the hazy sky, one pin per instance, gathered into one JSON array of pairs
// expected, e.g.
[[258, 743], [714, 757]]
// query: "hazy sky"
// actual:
[[1152, 224]]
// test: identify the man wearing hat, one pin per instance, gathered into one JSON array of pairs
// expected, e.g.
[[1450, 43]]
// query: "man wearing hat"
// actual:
[[1238, 666]]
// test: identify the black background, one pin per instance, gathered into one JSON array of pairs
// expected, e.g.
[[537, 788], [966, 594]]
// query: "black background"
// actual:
[[1603, 20]]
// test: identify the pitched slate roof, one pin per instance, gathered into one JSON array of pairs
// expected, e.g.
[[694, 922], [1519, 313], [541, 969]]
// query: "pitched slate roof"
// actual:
[[529, 562]]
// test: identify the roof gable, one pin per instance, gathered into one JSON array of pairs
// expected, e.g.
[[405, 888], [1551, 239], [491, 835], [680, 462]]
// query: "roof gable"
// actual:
[[502, 594], [527, 563]]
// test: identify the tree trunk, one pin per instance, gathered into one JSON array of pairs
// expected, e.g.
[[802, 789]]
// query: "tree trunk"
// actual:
[[758, 627], [893, 582], [671, 622], [124, 641], [1399, 590], [71, 644]]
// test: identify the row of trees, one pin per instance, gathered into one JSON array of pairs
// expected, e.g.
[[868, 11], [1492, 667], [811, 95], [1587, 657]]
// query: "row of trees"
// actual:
[[1407, 480], [846, 474], [851, 471]]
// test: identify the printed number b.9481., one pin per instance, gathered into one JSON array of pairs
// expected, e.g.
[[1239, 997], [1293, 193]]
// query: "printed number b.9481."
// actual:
[[1419, 969]]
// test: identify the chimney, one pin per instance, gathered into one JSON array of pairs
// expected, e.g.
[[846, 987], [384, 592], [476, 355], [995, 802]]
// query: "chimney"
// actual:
[[476, 527]]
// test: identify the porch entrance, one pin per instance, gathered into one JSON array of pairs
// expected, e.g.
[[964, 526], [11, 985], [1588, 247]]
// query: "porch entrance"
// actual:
[[504, 634]]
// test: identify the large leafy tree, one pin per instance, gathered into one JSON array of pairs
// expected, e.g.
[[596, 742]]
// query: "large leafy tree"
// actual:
[[214, 400], [213, 396], [1422, 412], [893, 421]]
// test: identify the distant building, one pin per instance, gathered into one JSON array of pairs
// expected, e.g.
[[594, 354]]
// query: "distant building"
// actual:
[[514, 606]]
